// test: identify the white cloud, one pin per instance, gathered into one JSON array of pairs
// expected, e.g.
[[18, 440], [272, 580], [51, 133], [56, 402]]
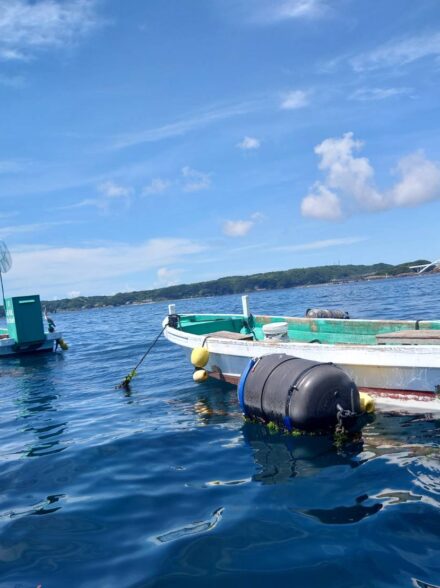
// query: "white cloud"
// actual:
[[368, 94], [202, 119], [27, 27], [237, 228], [349, 185], [55, 271], [110, 193], [399, 52], [263, 12], [321, 203], [112, 190], [295, 99], [98, 202], [240, 228], [420, 181], [167, 276], [157, 186], [73, 294], [194, 181], [249, 143], [299, 9]]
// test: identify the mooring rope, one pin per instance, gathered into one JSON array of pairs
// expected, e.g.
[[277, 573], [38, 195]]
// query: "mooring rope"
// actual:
[[128, 378]]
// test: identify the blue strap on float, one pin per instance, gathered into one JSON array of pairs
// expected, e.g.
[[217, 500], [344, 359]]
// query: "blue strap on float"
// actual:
[[242, 384], [288, 423]]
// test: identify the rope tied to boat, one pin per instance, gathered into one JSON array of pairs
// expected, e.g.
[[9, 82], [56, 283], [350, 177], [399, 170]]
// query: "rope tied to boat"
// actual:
[[125, 384]]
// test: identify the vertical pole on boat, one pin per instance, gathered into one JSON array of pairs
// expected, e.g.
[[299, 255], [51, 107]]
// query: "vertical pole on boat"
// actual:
[[248, 322], [3, 292], [245, 303]]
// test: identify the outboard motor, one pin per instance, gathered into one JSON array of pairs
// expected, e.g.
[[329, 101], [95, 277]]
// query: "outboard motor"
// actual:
[[326, 313], [298, 393]]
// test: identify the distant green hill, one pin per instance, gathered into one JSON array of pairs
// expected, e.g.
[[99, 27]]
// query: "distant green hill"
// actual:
[[238, 285]]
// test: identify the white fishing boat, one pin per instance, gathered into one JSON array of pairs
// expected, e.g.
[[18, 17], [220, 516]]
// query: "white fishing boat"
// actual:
[[395, 361]]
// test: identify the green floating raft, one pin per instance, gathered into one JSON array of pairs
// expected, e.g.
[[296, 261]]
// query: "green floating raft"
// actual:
[[25, 331]]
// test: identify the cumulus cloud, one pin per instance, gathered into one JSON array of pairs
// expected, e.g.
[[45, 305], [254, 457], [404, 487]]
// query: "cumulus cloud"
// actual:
[[321, 203], [295, 99], [194, 181], [420, 181], [240, 228], [156, 186], [27, 27], [399, 52], [349, 184], [112, 190], [249, 143]]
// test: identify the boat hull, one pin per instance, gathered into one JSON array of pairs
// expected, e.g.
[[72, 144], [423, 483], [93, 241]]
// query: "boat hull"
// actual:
[[8, 346], [401, 377]]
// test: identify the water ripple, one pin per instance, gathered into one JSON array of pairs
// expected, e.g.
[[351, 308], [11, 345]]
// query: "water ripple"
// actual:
[[104, 488]]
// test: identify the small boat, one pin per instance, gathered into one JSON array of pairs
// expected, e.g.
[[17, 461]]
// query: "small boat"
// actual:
[[25, 332], [395, 361]]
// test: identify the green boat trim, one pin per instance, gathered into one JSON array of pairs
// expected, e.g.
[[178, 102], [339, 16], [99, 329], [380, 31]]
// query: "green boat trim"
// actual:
[[306, 330]]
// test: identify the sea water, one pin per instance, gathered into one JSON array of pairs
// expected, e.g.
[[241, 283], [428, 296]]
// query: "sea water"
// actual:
[[165, 485]]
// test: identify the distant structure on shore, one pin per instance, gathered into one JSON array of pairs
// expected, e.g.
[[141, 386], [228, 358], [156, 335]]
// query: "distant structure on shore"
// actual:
[[426, 267]]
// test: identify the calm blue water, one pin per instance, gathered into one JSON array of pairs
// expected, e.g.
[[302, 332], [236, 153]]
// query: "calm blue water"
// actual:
[[167, 486]]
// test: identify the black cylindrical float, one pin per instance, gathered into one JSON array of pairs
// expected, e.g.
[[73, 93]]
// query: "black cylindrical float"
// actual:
[[298, 393]]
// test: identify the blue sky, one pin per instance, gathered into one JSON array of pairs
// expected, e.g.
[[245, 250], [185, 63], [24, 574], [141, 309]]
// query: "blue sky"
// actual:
[[146, 143]]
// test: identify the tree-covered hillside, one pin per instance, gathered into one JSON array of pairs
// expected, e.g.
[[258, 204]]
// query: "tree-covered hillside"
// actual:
[[238, 284]]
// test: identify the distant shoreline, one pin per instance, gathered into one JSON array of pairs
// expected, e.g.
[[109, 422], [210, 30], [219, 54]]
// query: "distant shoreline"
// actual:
[[279, 280], [237, 285], [135, 298]]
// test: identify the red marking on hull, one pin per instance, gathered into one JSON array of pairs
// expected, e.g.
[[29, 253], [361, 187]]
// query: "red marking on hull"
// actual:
[[400, 394], [403, 395]]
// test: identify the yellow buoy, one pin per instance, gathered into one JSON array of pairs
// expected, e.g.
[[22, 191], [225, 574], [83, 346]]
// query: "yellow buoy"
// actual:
[[200, 376], [199, 357], [367, 402], [63, 344]]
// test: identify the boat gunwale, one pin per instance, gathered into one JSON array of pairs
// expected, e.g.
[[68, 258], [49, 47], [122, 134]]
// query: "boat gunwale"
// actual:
[[359, 354]]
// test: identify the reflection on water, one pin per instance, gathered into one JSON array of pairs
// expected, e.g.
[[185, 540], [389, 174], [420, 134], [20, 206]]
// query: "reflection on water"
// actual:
[[343, 515], [194, 528], [280, 457], [167, 486], [37, 397], [42, 508]]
